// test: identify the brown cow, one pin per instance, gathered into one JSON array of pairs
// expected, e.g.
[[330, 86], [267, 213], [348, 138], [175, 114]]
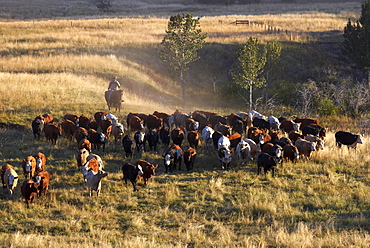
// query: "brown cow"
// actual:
[[29, 166], [69, 128], [52, 132], [154, 122], [193, 139], [92, 124], [207, 113], [48, 118], [274, 135], [305, 122], [189, 158], [84, 143], [288, 125], [218, 119], [106, 127], [142, 117], [81, 133], [191, 124], [117, 131], [93, 179], [84, 121], [40, 161], [29, 190], [135, 123], [305, 147], [222, 128], [234, 140], [290, 152], [42, 179], [148, 170], [254, 148], [177, 136], [99, 117], [2, 171], [201, 119], [74, 118], [258, 136], [293, 136], [164, 117], [10, 179]]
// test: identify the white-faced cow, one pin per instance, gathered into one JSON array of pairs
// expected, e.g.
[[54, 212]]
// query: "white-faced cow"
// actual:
[[348, 139]]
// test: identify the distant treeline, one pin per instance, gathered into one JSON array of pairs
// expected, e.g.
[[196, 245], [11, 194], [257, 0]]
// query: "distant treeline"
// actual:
[[228, 1]]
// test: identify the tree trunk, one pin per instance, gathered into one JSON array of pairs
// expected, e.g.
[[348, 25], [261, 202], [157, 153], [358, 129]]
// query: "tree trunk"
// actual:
[[250, 97], [183, 87], [267, 88]]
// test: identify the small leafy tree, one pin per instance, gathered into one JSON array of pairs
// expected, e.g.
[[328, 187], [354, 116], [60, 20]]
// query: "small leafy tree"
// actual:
[[181, 44], [356, 45], [273, 64], [247, 73]]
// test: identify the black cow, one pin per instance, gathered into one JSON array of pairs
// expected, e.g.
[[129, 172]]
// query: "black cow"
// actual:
[[37, 127], [131, 172], [172, 157], [201, 119], [267, 162], [140, 139], [153, 138], [97, 140], [348, 139], [238, 126], [315, 130], [215, 137], [128, 144], [281, 143], [261, 123], [177, 136], [218, 119], [164, 135], [306, 130]]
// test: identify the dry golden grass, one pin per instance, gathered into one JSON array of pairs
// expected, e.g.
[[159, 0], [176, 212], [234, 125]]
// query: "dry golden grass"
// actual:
[[63, 66], [87, 53]]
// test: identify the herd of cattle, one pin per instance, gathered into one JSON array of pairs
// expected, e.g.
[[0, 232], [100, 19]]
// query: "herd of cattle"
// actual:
[[251, 136]]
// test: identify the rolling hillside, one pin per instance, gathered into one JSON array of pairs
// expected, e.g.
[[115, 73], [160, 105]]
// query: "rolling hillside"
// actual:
[[57, 57]]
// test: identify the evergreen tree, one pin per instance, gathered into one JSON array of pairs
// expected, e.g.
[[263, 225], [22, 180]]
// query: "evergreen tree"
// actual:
[[181, 44], [356, 46]]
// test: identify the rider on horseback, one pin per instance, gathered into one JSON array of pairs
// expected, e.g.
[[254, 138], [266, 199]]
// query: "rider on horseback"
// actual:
[[113, 86]]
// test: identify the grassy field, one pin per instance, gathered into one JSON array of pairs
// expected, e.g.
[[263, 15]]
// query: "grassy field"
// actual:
[[64, 66]]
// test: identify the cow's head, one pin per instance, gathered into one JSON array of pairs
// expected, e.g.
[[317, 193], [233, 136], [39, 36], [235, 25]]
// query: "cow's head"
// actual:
[[278, 151], [359, 139], [13, 181], [295, 126], [167, 159], [37, 179], [140, 136], [320, 144], [39, 163], [139, 170], [313, 146]]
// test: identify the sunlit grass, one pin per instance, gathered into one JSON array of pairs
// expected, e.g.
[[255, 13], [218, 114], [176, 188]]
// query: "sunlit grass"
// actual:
[[63, 66]]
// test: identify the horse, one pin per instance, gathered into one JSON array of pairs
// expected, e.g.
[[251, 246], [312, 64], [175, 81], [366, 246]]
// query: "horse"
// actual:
[[114, 99]]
